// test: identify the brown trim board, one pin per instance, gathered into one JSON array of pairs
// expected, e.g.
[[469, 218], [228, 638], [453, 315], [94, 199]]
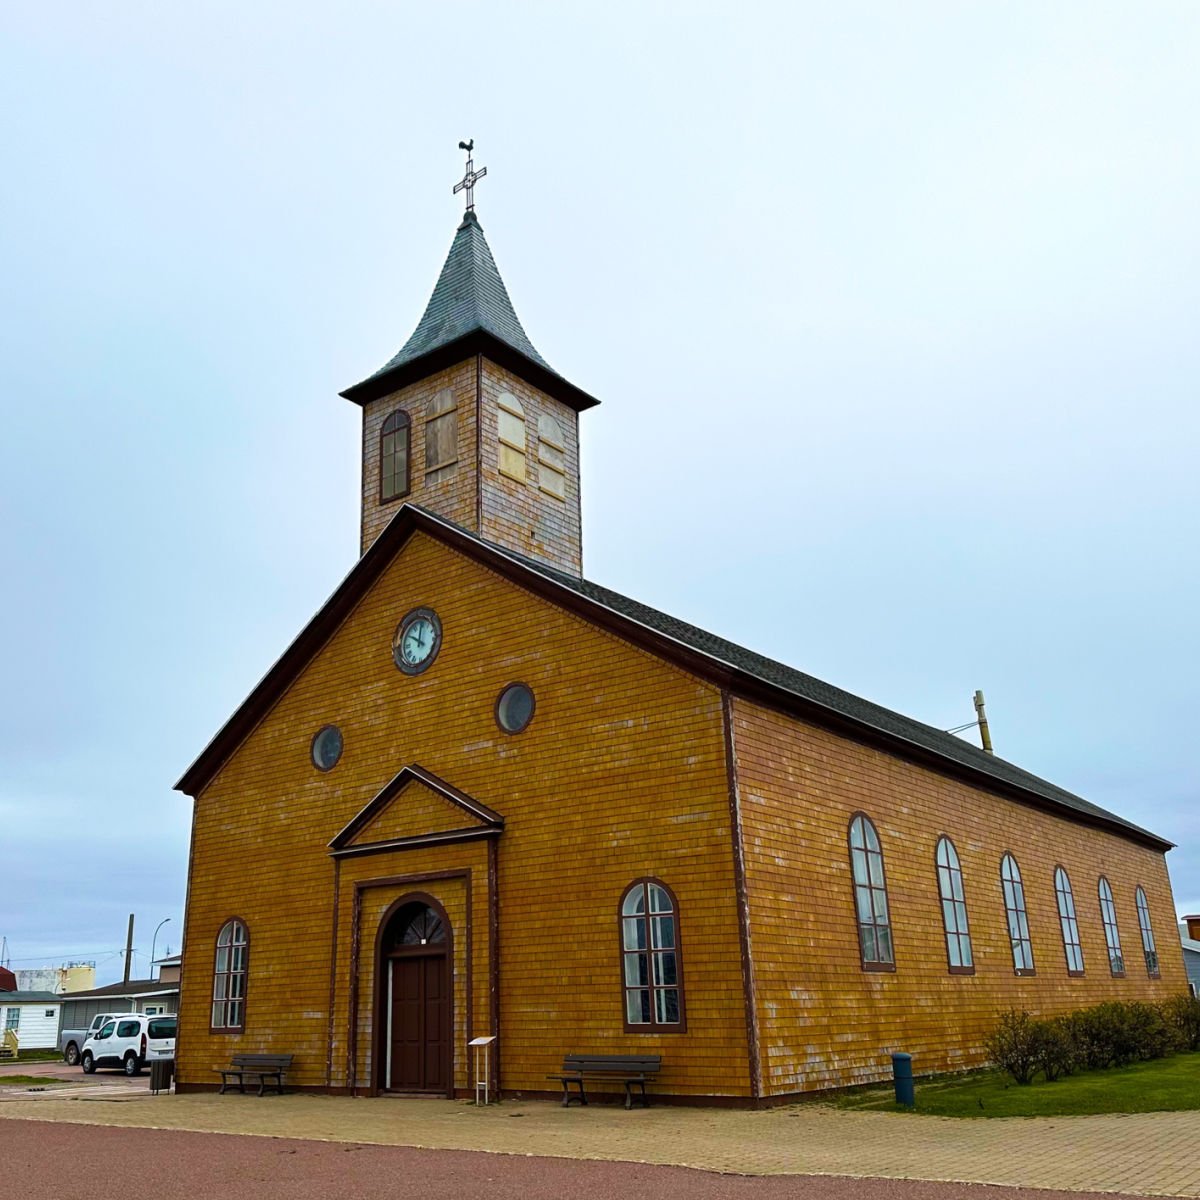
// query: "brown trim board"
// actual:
[[492, 821], [446, 837], [333, 952], [479, 443], [743, 902], [493, 886]]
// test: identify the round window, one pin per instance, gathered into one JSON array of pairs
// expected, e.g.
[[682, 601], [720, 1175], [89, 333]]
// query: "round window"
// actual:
[[327, 747], [514, 708]]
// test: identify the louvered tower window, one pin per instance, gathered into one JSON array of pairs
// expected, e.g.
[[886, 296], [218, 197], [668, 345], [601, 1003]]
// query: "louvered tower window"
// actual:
[[552, 467], [511, 426], [441, 437]]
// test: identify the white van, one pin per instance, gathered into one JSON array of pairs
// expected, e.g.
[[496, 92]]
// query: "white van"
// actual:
[[130, 1043]]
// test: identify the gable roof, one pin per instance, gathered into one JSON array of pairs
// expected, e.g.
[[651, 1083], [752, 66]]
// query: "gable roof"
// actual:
[[125, 991], [30, 998], [483, 821], [721, 662], [468, 313]]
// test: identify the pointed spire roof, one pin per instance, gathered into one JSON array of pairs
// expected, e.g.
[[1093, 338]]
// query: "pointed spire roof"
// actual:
[[468, 313]]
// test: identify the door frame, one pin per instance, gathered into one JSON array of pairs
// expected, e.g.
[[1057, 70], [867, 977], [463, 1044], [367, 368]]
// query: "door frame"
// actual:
[[382, 1009]]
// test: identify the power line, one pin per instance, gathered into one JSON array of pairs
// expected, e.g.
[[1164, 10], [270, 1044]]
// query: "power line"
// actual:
[[69, 954]]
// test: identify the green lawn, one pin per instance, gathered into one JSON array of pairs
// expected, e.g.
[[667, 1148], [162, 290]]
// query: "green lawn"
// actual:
[[13, 1080], [1164, 1085]]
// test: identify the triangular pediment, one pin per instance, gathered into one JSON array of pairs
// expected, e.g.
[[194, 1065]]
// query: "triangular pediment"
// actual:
[[415, 808]]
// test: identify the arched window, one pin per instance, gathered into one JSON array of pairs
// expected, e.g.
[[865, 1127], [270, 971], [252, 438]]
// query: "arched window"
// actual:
[[441, 437], [395, 439], [653, 977], [1112, 935], [954, 909], [1143, 912], [415, 924], [511, 428], [229, 977], [552, 467], [1018, 920], [1066, 918], [870, 897]]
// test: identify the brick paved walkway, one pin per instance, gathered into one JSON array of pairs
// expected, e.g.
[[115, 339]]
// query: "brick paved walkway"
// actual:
[[1142, 1154]]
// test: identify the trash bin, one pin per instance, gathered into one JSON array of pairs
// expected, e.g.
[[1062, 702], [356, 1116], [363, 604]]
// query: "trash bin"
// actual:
[[903, 1075], [162, 1071]]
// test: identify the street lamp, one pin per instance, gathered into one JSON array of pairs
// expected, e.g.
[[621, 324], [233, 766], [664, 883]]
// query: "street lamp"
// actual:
[[154, 942]]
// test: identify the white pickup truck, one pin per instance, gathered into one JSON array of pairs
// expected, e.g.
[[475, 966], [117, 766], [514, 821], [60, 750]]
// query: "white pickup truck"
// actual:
[[70, 1041]]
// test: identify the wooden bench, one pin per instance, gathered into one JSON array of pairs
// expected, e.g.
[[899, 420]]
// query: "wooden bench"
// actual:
[[633, 1070], [264, 1066]]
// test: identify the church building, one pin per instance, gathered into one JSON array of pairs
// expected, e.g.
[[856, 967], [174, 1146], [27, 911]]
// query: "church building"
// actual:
[[481, 795]]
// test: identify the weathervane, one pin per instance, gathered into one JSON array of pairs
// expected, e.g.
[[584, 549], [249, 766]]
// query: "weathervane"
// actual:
[[472, 176]]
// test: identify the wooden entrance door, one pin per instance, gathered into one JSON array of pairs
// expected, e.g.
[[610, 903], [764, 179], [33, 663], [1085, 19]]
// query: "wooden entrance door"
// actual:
[[419, 1044]]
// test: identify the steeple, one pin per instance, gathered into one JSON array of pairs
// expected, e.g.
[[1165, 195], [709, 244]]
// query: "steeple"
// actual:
[[469, 313], [470, 421]]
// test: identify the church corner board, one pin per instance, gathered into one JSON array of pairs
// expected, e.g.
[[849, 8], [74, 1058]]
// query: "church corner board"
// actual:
[[482, 795]]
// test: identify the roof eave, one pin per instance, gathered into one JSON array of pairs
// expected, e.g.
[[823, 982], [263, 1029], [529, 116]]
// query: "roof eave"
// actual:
[[327, 618], [477, 341], [409, 518]]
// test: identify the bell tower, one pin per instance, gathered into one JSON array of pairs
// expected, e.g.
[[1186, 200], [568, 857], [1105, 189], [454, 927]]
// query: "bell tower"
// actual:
[[469, 421]]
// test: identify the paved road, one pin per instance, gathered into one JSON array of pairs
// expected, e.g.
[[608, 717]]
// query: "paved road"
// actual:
[[45, 1160], [60, 1070]]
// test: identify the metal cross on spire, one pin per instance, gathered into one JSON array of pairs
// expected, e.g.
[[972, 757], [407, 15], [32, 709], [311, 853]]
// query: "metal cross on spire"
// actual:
[[472, 176]]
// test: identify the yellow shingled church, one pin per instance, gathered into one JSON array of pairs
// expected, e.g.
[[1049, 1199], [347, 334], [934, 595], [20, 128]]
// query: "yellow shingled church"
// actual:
[[481, 795]]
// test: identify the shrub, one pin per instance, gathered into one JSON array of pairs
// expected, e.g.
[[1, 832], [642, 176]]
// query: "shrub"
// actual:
[[1114, 1034], [1058, 1050], [1015, 1045], [1093, 1038], [1148, 1033], [1182, 1013]]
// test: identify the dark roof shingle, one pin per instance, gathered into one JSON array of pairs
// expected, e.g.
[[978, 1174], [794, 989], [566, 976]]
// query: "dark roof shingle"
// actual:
[[135, 987], [469, 310], [816, 691]]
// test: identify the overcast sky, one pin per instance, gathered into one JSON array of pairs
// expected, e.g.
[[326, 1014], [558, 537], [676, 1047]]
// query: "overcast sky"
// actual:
[[892, 309]]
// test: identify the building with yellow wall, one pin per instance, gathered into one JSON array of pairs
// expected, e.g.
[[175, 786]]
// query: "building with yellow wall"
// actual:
[[482, 795]]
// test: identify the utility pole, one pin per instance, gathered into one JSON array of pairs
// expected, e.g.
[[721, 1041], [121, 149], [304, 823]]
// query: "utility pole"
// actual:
[[129, 948], [984, 733]]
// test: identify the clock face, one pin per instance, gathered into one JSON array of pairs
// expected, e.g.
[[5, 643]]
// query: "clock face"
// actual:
[[417, 641]]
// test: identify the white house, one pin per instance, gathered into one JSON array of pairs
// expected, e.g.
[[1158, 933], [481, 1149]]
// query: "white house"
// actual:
[[32, 1017], [1189, 936]]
